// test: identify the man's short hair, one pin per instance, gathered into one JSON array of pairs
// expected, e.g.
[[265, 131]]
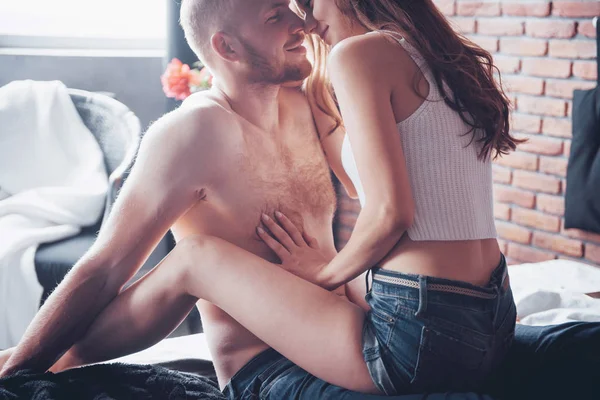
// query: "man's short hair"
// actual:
[[200, 19]]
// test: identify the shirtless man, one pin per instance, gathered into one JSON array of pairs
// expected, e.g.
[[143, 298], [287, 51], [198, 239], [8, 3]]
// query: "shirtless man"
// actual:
[[211, 169]]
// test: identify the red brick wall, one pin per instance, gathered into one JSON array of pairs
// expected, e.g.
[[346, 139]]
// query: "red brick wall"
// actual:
[[544, 50]]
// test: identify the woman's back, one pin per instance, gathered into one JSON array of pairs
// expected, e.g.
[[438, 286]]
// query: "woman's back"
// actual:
[[453, 234]]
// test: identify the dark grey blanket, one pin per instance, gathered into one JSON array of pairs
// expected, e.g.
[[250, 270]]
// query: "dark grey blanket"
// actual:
[[108, 382]]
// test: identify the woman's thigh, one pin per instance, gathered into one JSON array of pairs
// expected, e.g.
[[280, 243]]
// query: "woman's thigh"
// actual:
[[356, 290], [314, 328]]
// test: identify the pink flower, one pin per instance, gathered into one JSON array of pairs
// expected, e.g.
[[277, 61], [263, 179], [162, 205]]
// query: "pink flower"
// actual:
[[177, 78]]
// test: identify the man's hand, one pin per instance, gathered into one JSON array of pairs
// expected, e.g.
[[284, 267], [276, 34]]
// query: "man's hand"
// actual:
[[299, 253]]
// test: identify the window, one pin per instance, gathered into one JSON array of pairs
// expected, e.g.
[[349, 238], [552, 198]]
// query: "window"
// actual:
[[120, 24]]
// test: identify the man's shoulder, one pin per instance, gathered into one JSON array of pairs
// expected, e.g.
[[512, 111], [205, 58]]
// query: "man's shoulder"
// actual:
[[197, 124], [208, 102], [205, 113]]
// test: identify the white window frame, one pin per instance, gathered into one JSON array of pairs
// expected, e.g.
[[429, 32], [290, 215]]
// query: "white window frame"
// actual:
[[79, 43], [18, 42]]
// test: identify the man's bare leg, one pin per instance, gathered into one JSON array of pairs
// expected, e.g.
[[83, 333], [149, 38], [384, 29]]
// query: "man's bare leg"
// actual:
[[4, 355], [133, 321], [318, 330]]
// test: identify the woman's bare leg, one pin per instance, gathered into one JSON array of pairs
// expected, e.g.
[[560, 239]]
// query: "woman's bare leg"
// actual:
[[314, 328], [356, 290], [317, 330]]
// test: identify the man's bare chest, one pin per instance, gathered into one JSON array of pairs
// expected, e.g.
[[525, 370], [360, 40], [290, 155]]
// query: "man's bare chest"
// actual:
[[257, 174], [293, 177]]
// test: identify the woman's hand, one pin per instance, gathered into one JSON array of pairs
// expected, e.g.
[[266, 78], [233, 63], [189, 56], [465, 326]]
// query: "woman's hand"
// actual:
[[299, 253]]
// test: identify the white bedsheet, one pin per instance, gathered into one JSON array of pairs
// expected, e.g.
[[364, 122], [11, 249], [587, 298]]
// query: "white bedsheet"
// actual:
[[190, 346], [553, 292]]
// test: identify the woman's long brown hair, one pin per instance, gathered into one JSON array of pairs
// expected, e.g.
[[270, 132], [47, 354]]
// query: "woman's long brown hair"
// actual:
[[317, 86], [463, 71]]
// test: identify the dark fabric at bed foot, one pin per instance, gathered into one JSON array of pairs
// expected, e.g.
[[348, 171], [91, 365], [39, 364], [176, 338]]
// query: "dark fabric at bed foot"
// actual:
[[108, 382], [559, 362], [194, 366]]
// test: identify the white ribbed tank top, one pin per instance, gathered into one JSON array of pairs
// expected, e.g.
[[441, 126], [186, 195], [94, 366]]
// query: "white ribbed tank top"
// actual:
[[451, 187]]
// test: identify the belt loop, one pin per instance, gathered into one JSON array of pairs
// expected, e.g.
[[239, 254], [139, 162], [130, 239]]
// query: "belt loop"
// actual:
[[369, 272], [499, 289], [503, 282], [498, 299], [422, 295]]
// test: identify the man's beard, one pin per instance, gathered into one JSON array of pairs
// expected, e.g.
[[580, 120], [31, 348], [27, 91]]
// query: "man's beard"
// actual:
[[263, 70]]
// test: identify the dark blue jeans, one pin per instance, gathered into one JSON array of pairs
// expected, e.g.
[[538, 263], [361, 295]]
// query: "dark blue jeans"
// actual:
[[270, 376], [553, 362], [550, 362], [426, 334]]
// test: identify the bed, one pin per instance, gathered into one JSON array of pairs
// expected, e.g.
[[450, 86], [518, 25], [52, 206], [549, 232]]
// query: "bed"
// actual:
[[546, 293]]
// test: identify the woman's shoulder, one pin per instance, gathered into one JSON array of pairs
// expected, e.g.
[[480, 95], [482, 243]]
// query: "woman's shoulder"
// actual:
[[373, 50]]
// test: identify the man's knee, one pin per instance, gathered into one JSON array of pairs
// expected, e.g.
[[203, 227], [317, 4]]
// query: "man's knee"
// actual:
[[196, 253], [198, 245]]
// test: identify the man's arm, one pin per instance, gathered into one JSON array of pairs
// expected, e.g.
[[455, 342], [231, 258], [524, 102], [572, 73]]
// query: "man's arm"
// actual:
[[137, 318], [162, 186]]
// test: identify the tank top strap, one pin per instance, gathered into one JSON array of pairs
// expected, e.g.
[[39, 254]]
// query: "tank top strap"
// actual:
[[410, 49], [415, 55]]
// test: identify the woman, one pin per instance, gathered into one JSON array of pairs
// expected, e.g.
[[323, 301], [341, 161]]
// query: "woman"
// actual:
[[423, 333], [423, 117]]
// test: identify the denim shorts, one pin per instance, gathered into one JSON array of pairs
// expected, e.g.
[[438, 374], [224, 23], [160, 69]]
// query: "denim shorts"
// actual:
[[416, 339], [271, 376], [426, 334]]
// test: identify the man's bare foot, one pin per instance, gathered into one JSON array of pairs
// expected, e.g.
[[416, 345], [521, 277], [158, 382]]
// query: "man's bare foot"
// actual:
[[67, 361], [4, 356]]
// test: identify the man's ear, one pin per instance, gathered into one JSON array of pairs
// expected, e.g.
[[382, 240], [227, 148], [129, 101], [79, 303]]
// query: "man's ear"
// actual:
[[225, 46]]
